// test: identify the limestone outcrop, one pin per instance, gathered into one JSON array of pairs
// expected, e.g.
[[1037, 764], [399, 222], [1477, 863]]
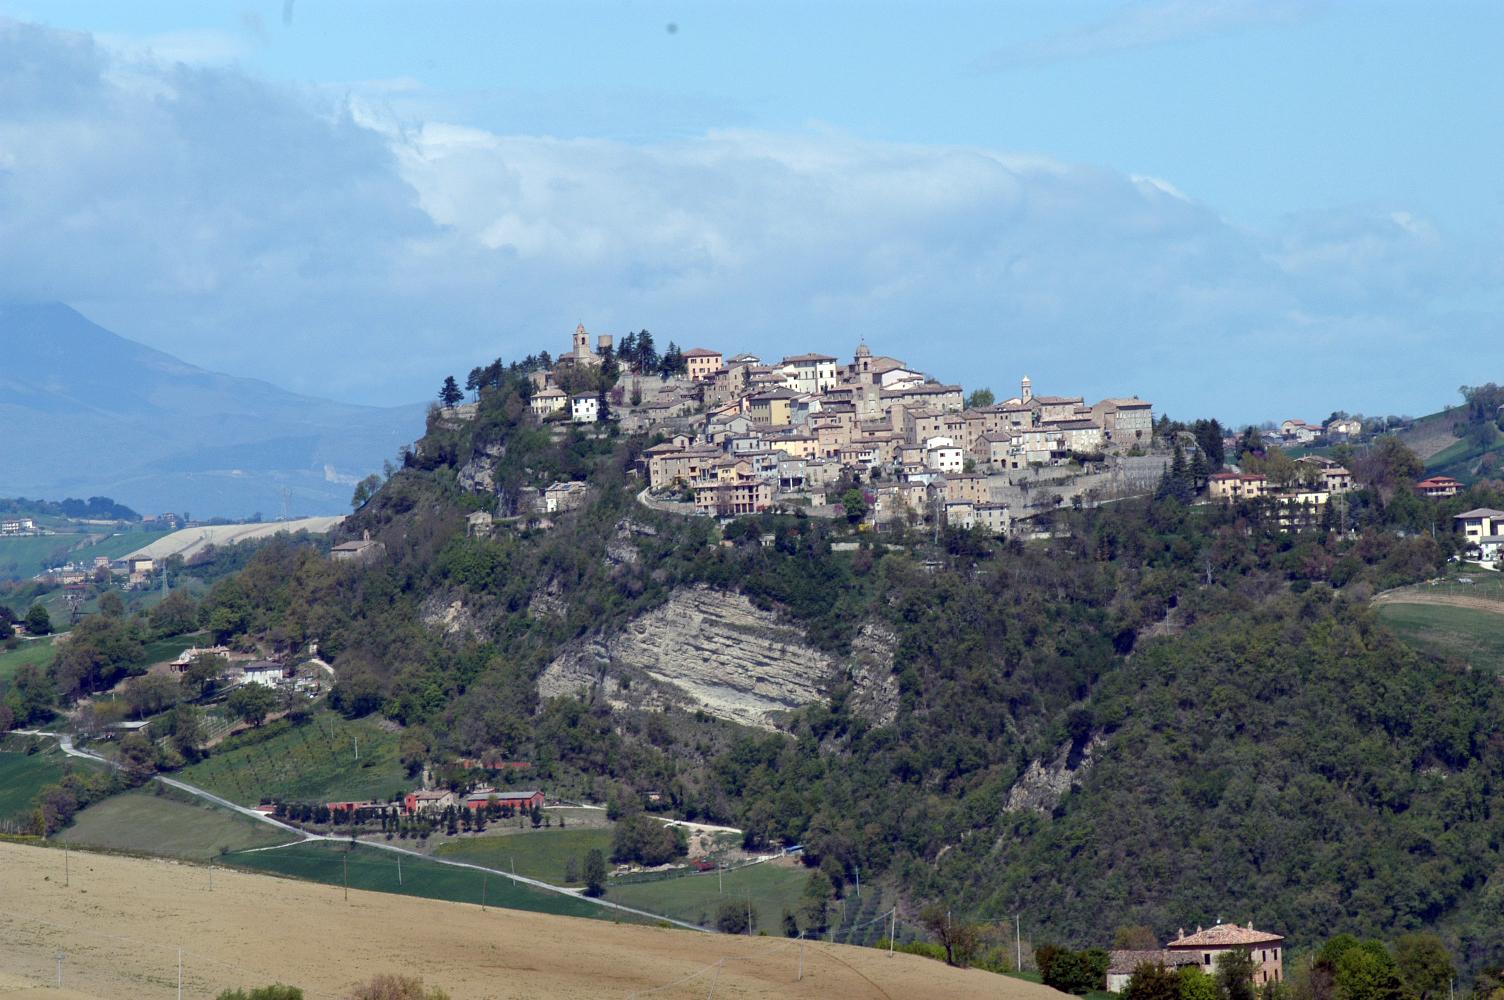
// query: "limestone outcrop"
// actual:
[[703, 649]]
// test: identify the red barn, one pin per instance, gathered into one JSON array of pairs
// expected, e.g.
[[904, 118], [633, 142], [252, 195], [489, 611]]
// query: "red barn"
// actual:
[[521, 801]]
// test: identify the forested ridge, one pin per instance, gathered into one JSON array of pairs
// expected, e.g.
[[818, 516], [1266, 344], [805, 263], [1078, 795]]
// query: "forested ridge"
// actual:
[[1243, 739]]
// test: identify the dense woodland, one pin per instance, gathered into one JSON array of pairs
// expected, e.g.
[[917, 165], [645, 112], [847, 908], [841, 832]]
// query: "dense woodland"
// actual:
[[1248, 742]]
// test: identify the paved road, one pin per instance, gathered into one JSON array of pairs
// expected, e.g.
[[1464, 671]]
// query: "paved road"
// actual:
[[65, 742]]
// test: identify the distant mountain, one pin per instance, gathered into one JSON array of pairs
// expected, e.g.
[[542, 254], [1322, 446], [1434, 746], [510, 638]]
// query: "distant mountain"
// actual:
[[85, 412]]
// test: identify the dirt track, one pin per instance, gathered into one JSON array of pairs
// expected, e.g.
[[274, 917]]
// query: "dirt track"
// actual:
[[121, 920], [1445, 600]]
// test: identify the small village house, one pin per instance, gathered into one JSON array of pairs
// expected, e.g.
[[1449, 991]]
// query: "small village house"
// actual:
[[1439, 487], [701, 362], [584, 408], [1204, 949]]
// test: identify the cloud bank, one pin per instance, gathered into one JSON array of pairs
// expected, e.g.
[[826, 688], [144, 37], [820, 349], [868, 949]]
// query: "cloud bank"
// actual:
[[340, 248]]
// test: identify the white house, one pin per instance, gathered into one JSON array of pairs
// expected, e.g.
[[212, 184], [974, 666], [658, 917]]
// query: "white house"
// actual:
[[808, 373], [943, 455], [1483, 531], [584, 409]]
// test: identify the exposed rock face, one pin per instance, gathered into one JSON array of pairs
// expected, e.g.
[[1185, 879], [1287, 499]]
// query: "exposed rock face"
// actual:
[[703, 649], [452, 618], [874, 689], [1042, 786], [479, 474]]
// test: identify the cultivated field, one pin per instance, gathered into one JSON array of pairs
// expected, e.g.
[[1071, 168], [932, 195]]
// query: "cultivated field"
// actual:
[[539, 854], [120, 922], [379, 871], [170, 824], [313, 762], [1475, 634], [22, 775], [767, 889], [190, 541]]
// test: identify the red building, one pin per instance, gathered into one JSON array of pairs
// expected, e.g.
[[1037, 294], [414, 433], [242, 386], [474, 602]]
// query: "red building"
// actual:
[[521, 801], [1439, 486]]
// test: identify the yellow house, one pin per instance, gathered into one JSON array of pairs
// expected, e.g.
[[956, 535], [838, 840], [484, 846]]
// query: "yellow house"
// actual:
[[774, 408]]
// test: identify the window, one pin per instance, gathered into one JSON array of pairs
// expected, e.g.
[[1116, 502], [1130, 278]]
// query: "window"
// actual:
[[1207, 959], [1264, 956]]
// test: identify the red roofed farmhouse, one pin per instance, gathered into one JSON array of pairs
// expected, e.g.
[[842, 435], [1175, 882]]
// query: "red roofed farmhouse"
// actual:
[[1207, 946]]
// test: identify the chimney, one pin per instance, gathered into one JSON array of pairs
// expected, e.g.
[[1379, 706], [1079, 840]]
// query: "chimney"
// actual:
[[1179, 932], [1198, 928]]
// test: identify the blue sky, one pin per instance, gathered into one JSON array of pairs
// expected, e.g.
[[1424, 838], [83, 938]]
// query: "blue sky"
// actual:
[[1242, 209]]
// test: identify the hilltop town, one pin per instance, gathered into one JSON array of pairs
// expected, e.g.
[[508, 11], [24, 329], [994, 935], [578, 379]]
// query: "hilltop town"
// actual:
[[740, 434]]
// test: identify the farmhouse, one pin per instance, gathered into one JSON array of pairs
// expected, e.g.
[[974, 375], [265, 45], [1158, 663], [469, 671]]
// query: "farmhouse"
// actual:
[[1208, 946], [429, 800]]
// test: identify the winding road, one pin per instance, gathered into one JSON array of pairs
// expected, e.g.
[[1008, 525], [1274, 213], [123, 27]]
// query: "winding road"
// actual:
[[65, 743]]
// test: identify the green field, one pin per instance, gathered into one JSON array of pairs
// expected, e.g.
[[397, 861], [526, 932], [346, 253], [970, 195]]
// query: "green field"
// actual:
[[169, 824], [22, 775], [1473, 635], [371, 868], [37, 652], [312, 762], [23, 558], [768, 888], [540, 854], [162, 650]]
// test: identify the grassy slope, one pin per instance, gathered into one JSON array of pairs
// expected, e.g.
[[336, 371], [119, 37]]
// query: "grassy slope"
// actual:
[[22, 775], [374, 869], [148, 823], [696, 898], [540, 854], [314, 762], [1473, 635], [37, 652]]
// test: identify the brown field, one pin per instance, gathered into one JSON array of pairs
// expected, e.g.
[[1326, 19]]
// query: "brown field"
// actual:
[[120, 922]]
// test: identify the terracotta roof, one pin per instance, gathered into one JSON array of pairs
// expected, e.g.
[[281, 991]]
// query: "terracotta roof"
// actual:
[[701, 352], [1439, 481], [1479, 512], [807, 358], [1223, 935]]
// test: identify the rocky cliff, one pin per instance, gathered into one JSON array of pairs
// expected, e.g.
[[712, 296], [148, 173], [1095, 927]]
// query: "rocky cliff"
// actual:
[[708, 650]]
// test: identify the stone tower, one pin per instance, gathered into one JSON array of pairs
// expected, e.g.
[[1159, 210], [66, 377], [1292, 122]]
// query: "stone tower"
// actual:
[[1028, 388], [581, 343]]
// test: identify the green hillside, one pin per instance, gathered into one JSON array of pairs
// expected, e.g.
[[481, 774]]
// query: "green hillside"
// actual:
[[1228, 728]]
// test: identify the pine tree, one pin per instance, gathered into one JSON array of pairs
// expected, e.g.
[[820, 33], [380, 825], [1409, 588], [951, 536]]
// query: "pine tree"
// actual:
[[646, 355], [450, 394]]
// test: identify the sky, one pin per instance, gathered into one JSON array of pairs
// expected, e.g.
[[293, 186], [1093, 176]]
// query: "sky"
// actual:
[[1248, 210]]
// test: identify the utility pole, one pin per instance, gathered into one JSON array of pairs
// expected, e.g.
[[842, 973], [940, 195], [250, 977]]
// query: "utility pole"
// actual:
[[485, 881], [1018, 943], [346, 860], [801, 956], [892, 929], [858, 881], [66, 879], [399, 871], [720, 880], [59, 970]]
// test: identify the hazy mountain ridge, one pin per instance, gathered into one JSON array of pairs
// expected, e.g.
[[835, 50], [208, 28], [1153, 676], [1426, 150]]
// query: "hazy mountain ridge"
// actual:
[[99, 414]]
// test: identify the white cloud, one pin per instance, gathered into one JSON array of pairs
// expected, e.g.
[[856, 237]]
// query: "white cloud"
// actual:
[[341, 248]]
